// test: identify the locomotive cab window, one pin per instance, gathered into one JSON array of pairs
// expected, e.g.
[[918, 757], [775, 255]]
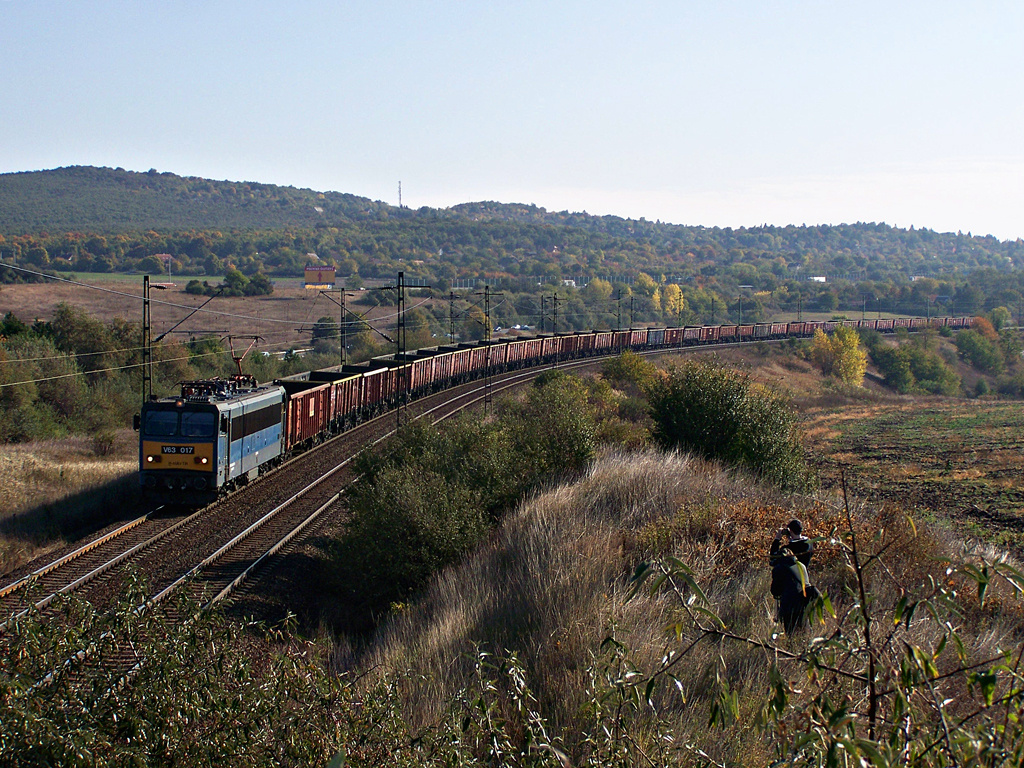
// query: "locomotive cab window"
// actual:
[[198, 424], [161, 424]]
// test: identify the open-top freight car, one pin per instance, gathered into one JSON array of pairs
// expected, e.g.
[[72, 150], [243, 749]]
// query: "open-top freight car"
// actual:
[[219, 433]]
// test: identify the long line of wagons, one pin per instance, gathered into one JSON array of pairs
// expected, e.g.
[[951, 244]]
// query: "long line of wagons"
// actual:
[[220, 433]]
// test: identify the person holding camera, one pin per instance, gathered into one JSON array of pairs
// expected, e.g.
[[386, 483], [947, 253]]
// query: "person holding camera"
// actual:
[[790, 556], [799, 545]]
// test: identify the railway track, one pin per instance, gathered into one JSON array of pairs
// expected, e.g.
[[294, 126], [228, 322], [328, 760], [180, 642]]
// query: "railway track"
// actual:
[[168, 544], [203, 557], [218, 572], [163, 544]]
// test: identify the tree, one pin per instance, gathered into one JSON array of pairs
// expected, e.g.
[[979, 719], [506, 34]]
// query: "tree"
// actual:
[[672, 300], [1000, 317], [234, 282], [259, 285], [325, 328], [840, 355], [979, 350], [720, 414], [597, 291]]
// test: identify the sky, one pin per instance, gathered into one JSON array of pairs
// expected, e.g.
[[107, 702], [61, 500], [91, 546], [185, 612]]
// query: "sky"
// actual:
[[714, 113]]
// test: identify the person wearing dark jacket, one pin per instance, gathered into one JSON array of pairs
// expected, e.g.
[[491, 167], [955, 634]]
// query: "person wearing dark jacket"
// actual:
[[791, 588], [799, 545]]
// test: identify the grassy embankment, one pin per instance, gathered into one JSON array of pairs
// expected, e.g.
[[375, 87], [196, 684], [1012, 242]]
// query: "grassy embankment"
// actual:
[[554, 583], [54, 492]]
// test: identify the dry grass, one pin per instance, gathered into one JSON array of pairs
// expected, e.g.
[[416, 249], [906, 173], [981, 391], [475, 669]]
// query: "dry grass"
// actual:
[[277, 317], [56, 490], [553, 583]]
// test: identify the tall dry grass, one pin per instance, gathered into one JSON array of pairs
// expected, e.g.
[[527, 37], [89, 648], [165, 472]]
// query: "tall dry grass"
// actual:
[[53, 491], [553, 582]]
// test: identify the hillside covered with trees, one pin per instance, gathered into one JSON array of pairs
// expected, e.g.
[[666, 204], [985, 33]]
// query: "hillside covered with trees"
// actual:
[[101, 219], [86, 220]]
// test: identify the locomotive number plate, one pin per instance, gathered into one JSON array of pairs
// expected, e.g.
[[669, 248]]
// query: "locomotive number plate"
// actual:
[[177, 449]]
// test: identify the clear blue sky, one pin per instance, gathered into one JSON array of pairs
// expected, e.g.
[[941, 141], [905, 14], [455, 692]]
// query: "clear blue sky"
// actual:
[[714, 113]]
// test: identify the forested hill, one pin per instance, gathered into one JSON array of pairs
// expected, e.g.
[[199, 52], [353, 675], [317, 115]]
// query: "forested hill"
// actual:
[[100, 219], [107, 200]]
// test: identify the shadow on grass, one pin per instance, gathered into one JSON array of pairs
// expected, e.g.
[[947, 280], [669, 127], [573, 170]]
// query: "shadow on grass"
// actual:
[[298, 583], [67, 519]]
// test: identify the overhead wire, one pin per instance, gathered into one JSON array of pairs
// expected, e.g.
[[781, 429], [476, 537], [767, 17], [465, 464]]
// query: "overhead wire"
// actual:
[[107, 370]]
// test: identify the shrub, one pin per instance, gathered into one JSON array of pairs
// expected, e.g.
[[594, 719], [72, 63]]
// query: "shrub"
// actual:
[[913, 368], [630, 369], [720, 414], [429, 494], [979, 350], [408, 524]]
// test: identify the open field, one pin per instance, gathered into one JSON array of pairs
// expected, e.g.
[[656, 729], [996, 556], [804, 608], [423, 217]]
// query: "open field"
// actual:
[[51, 493], [957, 461], [276, 318]]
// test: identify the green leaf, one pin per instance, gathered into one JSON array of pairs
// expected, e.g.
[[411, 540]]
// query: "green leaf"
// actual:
[[900, 607], [650, 689], [986, 682]]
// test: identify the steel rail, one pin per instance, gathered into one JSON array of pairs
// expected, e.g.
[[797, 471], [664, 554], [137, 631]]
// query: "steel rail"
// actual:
[[510, 381], [99, 570], [63, 560]]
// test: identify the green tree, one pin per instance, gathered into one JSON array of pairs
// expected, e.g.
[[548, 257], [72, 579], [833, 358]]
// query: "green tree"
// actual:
[[719, 413], [1000, 317], [980, 351]]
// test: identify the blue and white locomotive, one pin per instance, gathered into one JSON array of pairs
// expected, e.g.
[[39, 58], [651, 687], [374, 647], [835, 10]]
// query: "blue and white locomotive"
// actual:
[[217, 434]]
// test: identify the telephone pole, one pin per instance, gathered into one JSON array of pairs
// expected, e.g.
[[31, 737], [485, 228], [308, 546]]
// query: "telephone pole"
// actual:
[[451, 316], [554, 325], [342, 324], [147, 337], [400, 339], [487, 349], [147, 344]]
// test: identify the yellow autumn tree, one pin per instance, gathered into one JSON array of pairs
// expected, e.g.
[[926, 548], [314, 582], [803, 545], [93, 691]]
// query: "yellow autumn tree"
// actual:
[[672, 301], [840, 355]]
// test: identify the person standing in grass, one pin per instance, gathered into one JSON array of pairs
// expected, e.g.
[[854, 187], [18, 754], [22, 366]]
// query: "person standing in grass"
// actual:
[[790, 556], [791, 589]]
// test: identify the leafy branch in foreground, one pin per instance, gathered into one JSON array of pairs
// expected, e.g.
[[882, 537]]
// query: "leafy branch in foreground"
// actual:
[[894, 684]]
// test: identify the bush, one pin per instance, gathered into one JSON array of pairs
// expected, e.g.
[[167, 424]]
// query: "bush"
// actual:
[[429, 495], [840, 355], [913, 368], [979, 350], [720, 414], [630, 370]]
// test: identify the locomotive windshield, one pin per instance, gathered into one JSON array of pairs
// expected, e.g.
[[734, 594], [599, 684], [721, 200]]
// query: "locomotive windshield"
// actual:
[[198, 424], [180, 424], [161, 423]]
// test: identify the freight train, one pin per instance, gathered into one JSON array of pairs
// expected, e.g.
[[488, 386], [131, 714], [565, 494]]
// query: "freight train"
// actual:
[[221, 433]]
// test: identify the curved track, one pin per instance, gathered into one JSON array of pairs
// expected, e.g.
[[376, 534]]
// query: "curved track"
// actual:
[[169, 544]]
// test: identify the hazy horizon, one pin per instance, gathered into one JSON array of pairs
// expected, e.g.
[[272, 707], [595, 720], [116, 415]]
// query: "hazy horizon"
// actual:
[[737, 114]]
